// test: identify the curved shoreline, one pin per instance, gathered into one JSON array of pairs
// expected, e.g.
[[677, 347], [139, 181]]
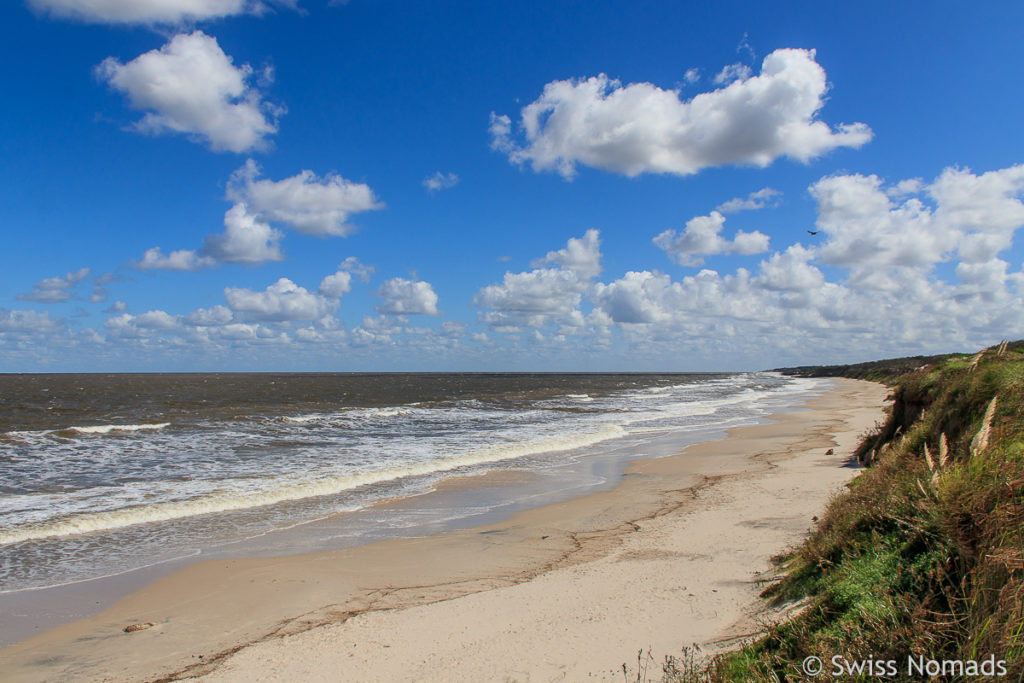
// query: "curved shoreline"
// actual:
[[240, 614]]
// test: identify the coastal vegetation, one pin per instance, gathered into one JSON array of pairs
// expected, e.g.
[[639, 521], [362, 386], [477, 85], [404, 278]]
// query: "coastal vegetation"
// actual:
[[916, 571]]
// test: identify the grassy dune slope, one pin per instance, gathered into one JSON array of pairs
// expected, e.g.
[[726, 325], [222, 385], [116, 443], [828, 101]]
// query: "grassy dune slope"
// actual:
[[924, 554]]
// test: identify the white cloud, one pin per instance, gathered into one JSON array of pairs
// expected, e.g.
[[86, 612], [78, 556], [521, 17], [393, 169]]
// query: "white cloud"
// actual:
[[150, 11], [544, 295], [99, 290], [744, 47], [863, 227], [973, 219], [986, 209], [787, 309], [883, 293], [733, 72], [892, 299], [150, 324], [440, 181], [281, 301], [246, 239], [375, 331], [359, 270], [190, 86], [210, 317], [640, 128], [759, 199], [304, 202], [53, 290], [157, 320], [790, 271], [581, 255], [501, 132], [407, 297], [453, 328], [533, 298], [906, 187], [701, 238], [21, 324], [336, 285], [692, 75], [637, 297], [181, 259]]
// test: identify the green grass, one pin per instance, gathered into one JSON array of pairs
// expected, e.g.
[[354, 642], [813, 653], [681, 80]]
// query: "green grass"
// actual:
[[906, 562]]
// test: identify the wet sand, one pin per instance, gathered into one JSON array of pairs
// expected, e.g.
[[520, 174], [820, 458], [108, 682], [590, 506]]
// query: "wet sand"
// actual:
[[666, 558]]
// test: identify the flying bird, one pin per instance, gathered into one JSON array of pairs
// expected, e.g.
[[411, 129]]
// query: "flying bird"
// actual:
[[812, 232]]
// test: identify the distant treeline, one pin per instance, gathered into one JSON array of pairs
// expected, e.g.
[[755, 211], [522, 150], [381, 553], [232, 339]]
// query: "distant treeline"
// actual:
[[885, 371]]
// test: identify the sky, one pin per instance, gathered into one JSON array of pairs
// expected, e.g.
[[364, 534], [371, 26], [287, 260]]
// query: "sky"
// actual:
[[375, 185]]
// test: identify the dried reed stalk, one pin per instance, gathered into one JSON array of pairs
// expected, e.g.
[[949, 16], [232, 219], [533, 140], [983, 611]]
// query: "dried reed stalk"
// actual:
[[975, 360], [980, 441], [945, 458]]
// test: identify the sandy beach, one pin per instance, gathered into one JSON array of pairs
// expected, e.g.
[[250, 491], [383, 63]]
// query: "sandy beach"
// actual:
[[669, 557]]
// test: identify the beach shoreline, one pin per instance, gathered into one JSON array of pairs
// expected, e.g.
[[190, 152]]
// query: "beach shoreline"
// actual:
[[257, 618]]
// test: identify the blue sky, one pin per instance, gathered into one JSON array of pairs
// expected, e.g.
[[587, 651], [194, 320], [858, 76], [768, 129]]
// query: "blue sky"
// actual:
[[373, 185]]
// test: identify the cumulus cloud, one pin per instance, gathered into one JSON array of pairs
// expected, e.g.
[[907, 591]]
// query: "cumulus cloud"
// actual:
[[190, 86], [580, 255], [759, 199], [22, 324], [282, 301], [337, 285], [544, 295], [148, 324], [304, 202], [641, 128], [533, 297], [882, 294], [151, 11], [701, 238], [868, 285], [790, 271], [157, 320], [407, 297], [440, 181], [871, 228], [54, 290], [637, 297], [885, 293], [181, 259], [210, 317], [246, 239]]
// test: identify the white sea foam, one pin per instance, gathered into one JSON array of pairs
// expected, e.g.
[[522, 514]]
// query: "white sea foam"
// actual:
[[388, 412], [303, 419], [247, 493], [106, 429]]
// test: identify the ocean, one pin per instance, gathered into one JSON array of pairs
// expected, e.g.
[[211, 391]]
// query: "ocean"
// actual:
[[104, 474]]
